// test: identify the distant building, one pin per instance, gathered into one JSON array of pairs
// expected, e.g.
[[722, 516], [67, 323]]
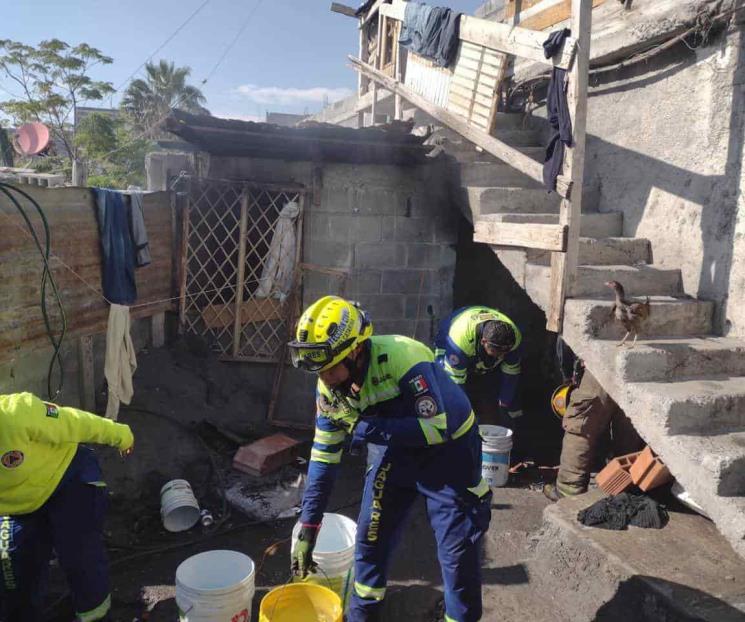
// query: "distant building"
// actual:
[[285, 119]]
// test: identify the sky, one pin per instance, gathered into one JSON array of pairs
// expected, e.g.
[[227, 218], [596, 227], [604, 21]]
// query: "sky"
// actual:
[[290, 57]]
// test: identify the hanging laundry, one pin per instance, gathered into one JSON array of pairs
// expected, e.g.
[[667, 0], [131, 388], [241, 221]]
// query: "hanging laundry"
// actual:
[[139, 233], [116, 245], [558, 112], [276, 276], [120, 361], [431, 32]]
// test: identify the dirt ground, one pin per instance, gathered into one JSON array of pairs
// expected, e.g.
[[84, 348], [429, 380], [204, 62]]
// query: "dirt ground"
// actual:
[[182, 393]]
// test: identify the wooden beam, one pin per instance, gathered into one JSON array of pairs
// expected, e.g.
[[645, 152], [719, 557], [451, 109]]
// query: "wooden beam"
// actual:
[[240, 281], [372, 12], [564, 266], [497, 148], [552, 15], [515, 40], [158, 330], [343, 9], [543, 237], [87, 384]]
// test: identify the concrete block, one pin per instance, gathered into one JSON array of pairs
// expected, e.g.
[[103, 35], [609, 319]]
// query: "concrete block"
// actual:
[[426, 256], [329, 254], [408, 282], [426, 308], [363, 282], [349, 228], [493, 174], [337, 199], [375, 201], [266, 455], [407, 328], [414, 229], [383, 307], [380, 255]]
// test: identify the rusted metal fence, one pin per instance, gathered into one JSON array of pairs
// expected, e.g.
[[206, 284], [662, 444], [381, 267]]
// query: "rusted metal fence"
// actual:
[[234, 293]]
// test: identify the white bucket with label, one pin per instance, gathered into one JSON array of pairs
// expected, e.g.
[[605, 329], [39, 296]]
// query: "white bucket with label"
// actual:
[[495, 454], [216, 586], [334, 554], [179, 509]]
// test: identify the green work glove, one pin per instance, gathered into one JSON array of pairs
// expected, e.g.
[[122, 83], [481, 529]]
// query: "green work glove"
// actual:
[[302, 556]]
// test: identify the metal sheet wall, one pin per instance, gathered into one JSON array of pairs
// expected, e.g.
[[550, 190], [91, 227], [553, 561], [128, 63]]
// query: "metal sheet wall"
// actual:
[[76, 242]]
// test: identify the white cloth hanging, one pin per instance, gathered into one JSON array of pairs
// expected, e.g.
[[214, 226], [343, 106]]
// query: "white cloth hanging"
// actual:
[[276, 276], [120, 362]]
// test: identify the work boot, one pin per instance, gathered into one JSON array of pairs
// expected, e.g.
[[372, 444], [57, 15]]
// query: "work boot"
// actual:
[[551, 492]]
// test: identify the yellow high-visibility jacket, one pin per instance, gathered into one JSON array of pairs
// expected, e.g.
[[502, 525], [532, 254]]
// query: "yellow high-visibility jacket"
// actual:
[[38, 441]]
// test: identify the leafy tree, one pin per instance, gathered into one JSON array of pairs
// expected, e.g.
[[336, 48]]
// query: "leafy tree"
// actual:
[[148, 101], [114, 153], [53, 78]]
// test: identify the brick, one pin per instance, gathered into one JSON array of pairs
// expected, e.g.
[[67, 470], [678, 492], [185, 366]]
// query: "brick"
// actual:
[[350, 228], [424, 256], [406, 282], [383, 307], [336, 199], [414, 229], [266, 455], [614, 478], [381, 255], [330, 254], [375, 201], [648, 471]]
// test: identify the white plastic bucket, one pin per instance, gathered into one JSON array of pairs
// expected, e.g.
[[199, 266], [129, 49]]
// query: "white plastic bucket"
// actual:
[[334, 554], [495, 454], [179, 509], [216, 586]]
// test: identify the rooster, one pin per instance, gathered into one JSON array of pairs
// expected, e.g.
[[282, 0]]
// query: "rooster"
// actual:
[[630, 314]]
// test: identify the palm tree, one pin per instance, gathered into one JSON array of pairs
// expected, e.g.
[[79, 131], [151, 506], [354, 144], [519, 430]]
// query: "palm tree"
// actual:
[[148, 101]]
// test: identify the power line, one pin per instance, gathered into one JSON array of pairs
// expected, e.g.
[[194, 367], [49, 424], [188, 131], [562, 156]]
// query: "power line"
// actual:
[[233, 42], [164, 44]]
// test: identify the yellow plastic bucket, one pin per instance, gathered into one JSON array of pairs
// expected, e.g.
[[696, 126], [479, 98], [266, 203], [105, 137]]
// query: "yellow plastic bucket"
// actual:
[[301, 601]]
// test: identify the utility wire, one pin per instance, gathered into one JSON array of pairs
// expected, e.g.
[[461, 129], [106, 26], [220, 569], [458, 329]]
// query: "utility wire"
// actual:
[[165, 43]]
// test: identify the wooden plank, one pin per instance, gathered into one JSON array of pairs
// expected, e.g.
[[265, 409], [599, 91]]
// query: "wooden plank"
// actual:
[[542, 237], [343, 9], [552, 15], [250, 312], [515, 40], [240, 279], [564, 266], [510, 9], [158, 330], [374, 9], [87, 383], [501, 150], [185, 214]]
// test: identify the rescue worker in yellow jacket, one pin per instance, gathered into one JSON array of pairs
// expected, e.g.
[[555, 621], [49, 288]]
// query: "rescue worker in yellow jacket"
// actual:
[[52, 498]]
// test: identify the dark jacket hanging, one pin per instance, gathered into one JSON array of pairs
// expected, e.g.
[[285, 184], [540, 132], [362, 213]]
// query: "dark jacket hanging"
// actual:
[[431, 32], [118, 269], [558, 113]]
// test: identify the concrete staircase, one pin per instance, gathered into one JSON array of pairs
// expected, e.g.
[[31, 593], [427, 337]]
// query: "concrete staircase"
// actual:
[[682, 386]]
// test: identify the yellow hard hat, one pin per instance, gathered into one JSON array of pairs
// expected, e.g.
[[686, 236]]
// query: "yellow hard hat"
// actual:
[[560, 399], [328, 330]]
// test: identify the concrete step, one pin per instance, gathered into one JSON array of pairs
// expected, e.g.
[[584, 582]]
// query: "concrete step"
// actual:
[[590, 319], [593, 225], [646, 280], [683, 572], [713, 405], [667, 360], [605, 252], [513, 137], [466, 154], [492, 174], [503, 120], [488, 200]]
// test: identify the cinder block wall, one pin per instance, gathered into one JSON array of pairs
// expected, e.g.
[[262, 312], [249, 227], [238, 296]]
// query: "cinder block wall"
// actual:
[[393, 229]]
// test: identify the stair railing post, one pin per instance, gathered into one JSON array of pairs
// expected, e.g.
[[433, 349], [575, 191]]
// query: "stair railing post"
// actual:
[[564, 265]]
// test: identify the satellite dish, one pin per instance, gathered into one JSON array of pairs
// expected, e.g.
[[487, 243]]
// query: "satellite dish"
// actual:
[[31, 138]]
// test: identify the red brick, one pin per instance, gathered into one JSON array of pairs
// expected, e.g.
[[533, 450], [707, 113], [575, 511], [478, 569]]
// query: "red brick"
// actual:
[[649, 471], [615, 477], [266, 455]]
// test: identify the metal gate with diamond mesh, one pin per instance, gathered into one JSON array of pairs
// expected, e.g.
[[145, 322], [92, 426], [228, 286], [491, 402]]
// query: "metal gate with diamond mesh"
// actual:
[[229, 228]]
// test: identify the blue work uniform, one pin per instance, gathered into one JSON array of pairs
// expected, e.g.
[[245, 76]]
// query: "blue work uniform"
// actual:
[[52, 498], [430, 447], [457, 350]]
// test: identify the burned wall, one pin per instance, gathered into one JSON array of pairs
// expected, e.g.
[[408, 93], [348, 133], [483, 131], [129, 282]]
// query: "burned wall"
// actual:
[[389, 230]]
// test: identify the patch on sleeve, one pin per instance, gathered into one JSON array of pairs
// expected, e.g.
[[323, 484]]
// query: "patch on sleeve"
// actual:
[[418, 385], [453, 359], [52, 410], [426, 407], [12, 459]]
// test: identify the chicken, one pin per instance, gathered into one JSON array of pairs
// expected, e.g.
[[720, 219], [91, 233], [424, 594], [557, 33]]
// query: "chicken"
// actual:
[[630, 314]]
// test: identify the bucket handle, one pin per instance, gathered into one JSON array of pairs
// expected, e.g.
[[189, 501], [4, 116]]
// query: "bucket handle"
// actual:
[[190, 609]]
